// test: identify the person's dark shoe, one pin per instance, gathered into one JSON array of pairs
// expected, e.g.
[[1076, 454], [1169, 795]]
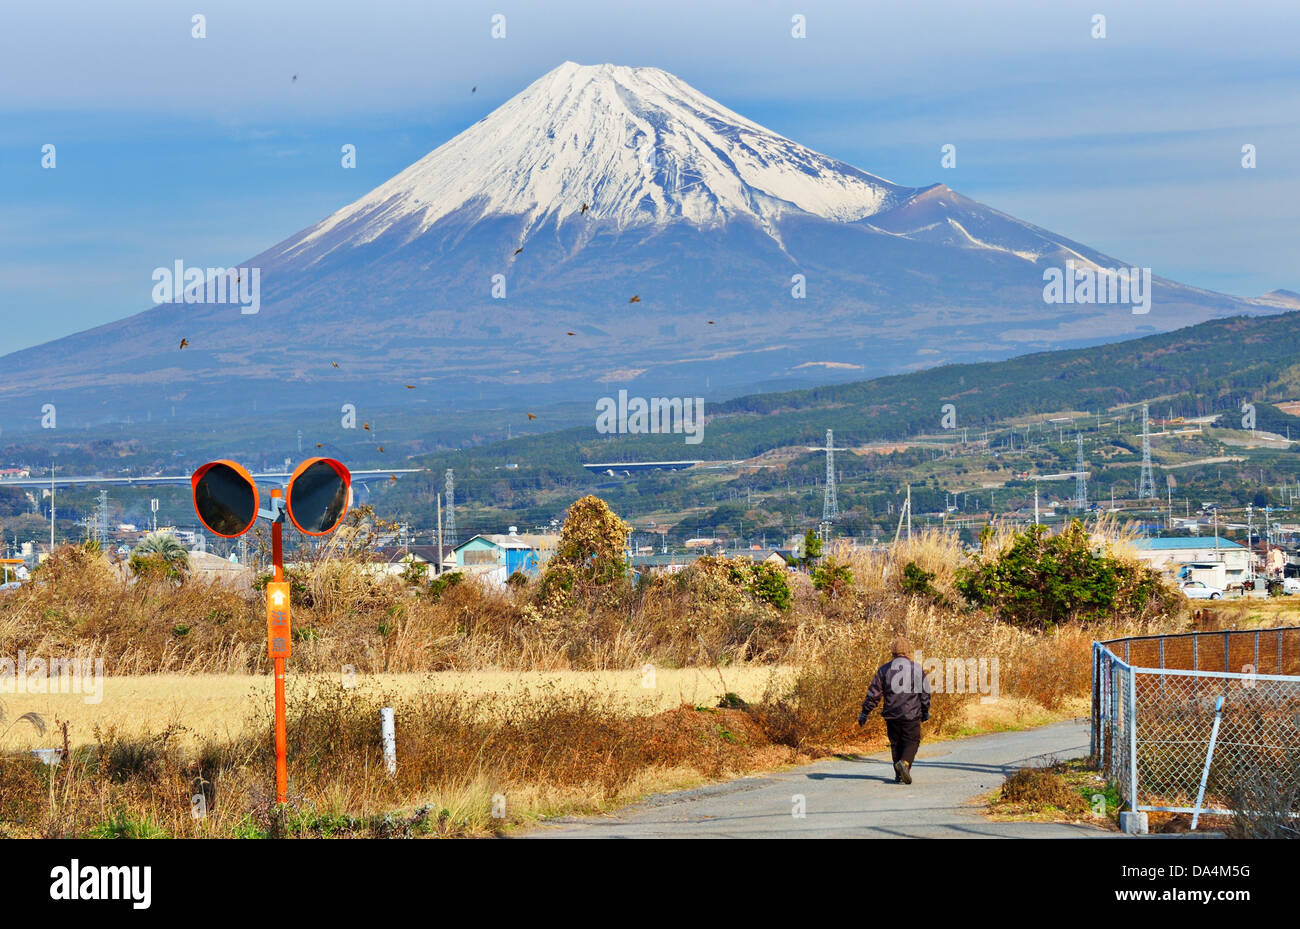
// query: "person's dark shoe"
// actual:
[[904, 772]]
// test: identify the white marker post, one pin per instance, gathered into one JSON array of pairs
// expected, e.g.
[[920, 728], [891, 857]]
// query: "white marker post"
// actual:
[[388, 732]]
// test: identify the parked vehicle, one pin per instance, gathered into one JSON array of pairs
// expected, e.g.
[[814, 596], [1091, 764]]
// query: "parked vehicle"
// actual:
[[1291, 585], [1199, 590]]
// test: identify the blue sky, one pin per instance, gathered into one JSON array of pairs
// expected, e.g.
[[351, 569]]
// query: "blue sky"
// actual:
[[170, 146]]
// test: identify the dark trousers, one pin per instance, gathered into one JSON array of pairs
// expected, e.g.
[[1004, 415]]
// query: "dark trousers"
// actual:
[[904, 738]]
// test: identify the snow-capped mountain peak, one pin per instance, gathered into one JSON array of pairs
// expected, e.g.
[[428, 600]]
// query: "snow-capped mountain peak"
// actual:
[[636, 145]]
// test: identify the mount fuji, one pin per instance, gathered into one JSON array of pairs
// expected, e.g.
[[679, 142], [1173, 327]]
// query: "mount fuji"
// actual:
[[608, 227]]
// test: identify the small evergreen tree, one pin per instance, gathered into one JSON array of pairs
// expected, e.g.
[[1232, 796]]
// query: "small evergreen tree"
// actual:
[[812, 548]]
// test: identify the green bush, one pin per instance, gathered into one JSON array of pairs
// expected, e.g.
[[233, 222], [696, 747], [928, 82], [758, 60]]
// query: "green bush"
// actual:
[[1040, 581], [760, 580], [438, 586], [916, 581], [832, 578]]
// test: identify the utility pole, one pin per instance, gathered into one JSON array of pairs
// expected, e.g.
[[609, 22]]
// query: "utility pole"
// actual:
[[51, 506], [1080, 478], [438, 569], [1250, 538], [905, 513]]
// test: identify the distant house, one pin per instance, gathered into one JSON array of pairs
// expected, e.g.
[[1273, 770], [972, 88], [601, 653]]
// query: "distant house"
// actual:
[[703, 543], [777, 557], [493, 558], [394, 560], [1218, 562], [211, 567], [14, 473], [659, 564], [1269, 558]]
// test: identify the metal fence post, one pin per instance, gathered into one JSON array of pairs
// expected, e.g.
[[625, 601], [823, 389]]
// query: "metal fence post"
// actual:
[[1196, 661], [1114, 717], [1132, 740], [1092, 730]]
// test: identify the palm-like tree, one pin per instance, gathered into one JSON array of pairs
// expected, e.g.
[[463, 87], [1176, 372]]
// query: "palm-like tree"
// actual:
[[160, 550]]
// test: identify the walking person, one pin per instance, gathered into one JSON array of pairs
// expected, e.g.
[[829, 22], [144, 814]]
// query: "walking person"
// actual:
[[902, 685]]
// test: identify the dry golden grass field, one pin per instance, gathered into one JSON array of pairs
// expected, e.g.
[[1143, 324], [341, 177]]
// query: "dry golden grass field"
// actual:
[[216, 706], [205, 707]]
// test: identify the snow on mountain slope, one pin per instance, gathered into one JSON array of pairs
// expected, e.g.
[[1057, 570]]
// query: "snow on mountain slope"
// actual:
[[637, 145], [753, 260]]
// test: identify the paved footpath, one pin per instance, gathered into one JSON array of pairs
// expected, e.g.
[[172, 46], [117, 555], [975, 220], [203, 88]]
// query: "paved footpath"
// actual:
[[853, 797]]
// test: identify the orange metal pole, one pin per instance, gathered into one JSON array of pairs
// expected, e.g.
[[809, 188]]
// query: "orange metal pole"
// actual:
[[281, 762], [281, 737]]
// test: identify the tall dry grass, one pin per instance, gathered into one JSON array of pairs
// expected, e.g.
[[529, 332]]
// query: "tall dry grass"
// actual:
[[345, 615], [467, 765], [548, 750]]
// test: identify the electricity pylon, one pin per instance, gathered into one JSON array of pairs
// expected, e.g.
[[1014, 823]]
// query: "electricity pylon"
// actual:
[[1147, 483], [830, 504], [449, 531]]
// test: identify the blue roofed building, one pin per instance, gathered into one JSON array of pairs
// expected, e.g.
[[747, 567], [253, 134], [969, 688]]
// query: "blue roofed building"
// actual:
[[1216, 561], [494, 557]]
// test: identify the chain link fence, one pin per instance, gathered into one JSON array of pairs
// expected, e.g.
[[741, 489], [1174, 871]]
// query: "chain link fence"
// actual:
[[1183, 723]]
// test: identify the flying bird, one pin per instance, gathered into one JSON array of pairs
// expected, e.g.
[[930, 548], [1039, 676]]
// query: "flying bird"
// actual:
[[334, 363], [381, 448], [319, 445], [473, 89], [295, 77], [710, 322], [184, 342], [366, 426], [583, 210], [532, 415], [410, 387], [636, 298], [393, 478], [572, 333], [519, 249]]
